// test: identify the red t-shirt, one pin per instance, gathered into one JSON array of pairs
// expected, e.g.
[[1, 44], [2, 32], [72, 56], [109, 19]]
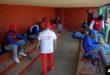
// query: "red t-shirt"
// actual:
[[98, 25]]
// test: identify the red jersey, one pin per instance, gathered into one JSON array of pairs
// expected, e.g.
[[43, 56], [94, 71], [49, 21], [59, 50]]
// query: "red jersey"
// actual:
[[98, 25]]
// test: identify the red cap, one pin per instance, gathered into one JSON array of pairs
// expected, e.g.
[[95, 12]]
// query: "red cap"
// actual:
[[12, 27], [53, 26], [47, 25]]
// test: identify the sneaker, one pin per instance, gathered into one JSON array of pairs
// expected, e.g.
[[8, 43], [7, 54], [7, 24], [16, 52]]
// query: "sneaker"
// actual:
[[16, 60], [22, 53], [50, 70]]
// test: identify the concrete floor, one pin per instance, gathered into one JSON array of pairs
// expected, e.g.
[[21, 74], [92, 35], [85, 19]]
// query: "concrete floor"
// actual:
[[66, 58]]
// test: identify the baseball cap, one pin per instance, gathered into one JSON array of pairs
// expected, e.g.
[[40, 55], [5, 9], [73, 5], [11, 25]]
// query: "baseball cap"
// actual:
[[94, 32], [47, 25], [12, 27]]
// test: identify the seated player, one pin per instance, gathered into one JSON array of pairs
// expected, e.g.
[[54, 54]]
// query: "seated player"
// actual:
[[14, 42], [33, 32], [93, 47]]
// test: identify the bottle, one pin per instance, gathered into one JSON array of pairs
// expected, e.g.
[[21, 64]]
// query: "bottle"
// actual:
[[107, 47]]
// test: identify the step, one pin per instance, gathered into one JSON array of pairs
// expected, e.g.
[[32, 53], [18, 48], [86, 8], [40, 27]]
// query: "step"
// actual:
[[22, 71], [26, 62], [7, 56], [34, 69], [9, 64]]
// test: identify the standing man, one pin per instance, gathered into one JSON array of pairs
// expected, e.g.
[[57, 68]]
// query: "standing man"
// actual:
[[98, 24], [59, 24], [47, 41], [90, 16]]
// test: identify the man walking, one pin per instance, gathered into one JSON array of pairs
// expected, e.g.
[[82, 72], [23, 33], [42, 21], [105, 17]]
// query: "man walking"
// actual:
[[47, 42]]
